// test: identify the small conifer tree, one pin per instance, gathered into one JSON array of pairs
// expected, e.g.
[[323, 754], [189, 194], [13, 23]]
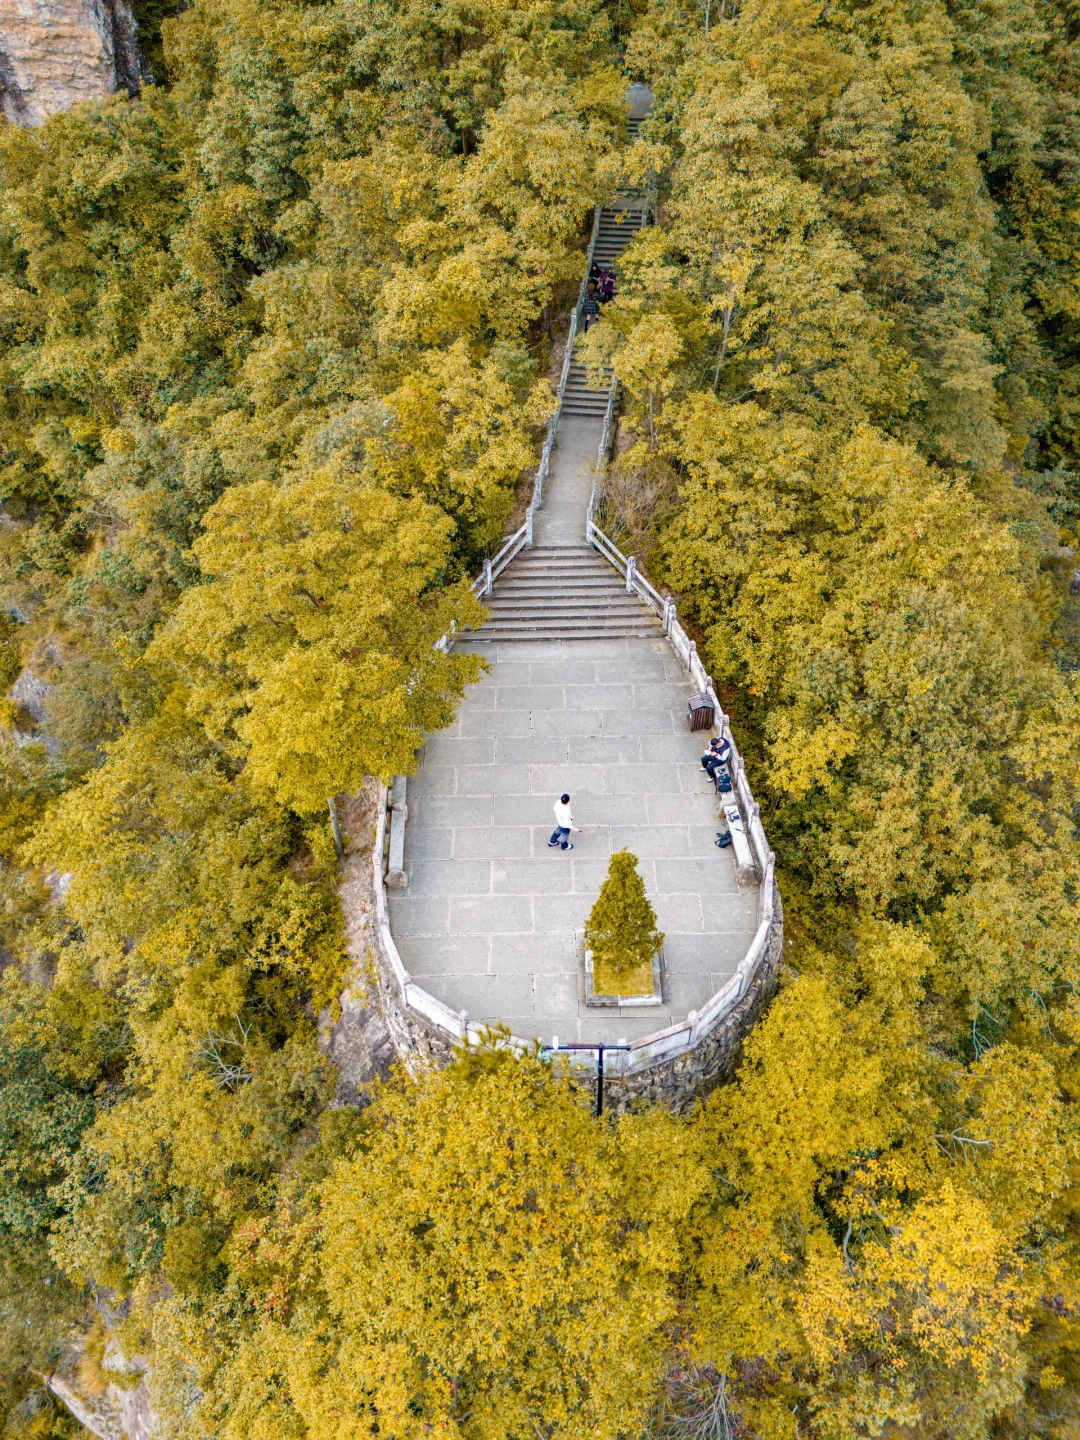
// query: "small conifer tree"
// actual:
[[621, 930]]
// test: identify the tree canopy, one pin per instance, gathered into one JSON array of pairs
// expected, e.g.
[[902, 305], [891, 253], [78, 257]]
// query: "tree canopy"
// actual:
[[275, 343]]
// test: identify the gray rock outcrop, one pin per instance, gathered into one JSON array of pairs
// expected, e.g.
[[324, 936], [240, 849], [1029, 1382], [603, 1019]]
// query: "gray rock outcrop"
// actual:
[[55, 53]]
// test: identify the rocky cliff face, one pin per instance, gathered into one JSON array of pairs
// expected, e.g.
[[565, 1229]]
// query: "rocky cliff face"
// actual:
[[54, 53], [119, 1413]]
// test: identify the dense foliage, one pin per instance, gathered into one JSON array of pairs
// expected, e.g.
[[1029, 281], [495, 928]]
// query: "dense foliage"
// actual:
[[275, 339], [273, 342]]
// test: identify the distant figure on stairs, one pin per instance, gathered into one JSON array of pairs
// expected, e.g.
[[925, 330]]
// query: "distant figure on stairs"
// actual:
[[607, 286], [591, 309]]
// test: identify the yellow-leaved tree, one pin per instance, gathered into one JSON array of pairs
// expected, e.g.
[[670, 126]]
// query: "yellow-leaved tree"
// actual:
[[311, 646], [495, 1262]]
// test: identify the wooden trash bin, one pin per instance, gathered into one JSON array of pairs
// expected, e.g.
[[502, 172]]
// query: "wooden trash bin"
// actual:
[[699, 712]]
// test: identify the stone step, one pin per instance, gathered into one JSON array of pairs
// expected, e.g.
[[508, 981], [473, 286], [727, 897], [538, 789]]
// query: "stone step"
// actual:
[[566, 573], [589, 399], [560, 619], [578, 382], [558, 568], [560, 600], [561, 604], [534, 578], [575, 585], [557, 576], [568, 599], [560, 573], [585, 412], [584, 580], [562, 607], [625, 631], [578, 632], [551, 555]]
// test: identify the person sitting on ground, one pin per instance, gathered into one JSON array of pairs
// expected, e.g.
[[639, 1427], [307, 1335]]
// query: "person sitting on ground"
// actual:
[[716, 755], [590, 311]]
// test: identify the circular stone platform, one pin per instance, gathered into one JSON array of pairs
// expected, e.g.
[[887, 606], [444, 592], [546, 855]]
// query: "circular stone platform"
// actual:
[[491, 920]]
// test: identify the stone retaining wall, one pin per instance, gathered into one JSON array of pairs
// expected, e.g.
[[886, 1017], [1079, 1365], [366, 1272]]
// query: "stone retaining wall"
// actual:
[[689, 1077]]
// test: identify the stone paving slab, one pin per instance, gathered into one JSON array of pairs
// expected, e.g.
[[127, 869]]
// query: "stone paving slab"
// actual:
[[491, 921]]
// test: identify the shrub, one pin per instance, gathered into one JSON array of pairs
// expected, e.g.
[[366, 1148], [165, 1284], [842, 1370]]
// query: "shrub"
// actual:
[[621, 929]]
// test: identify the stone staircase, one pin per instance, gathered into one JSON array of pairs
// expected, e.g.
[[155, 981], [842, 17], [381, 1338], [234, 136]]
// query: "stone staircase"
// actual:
[[564, 593], [567, 592], [579, 402], [617, 228]]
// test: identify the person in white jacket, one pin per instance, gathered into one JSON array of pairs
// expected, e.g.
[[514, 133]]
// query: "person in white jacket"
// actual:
[[564, 823]]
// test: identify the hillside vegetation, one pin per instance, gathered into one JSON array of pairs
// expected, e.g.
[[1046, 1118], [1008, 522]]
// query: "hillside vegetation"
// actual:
[[276, 336]]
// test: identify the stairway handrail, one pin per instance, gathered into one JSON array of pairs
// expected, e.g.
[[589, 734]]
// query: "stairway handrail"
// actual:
[[513, 544], [544, 468], [602, 453]]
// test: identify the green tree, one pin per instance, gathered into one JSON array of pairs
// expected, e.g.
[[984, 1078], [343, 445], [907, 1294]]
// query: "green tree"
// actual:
[[621, 929]]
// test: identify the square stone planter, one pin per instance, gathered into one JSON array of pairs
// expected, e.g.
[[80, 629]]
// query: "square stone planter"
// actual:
[[625, 1002]]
